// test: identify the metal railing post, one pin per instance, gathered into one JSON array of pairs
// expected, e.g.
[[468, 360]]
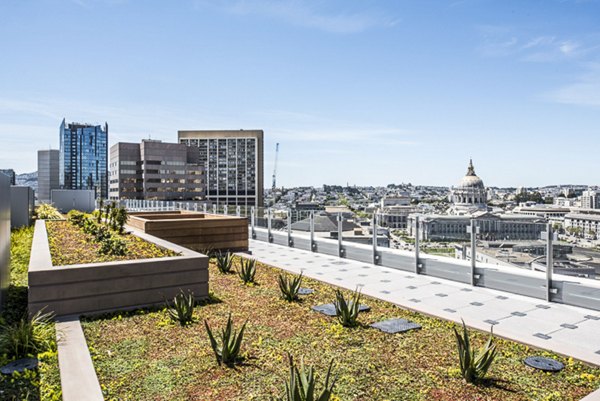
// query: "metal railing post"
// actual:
[[375, 253], [313, 245], [340, 239], [473, 230], [417, 234], [252, 230], [289, 228], [270, 236], [549, 261]]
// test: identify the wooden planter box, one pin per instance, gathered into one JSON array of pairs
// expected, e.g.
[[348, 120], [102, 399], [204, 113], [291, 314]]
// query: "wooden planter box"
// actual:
[[193, 230], [108, 286]]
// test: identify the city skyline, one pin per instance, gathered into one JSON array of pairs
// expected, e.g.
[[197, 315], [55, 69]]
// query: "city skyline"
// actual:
[[358, 93]]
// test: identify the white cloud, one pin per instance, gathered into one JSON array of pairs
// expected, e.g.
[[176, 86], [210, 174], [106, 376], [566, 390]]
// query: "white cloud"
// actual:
[[585, 91], [306, 14]]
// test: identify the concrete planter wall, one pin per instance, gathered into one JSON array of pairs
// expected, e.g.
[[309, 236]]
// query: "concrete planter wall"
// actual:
[[102, 287], [193, 230]]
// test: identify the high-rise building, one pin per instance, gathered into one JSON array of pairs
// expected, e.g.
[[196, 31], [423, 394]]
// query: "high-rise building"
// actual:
[[48, 173], [84, 157], [590, 199], [234, 164], [11, 174], [155, 170]]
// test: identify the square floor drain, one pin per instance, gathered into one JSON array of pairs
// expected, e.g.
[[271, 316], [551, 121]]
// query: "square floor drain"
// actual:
[[366, 267], [542, 306], [393, 326], [502, 297], [362, 275], [591, 317], [441, 295], [492, 322], [339, 263], [519, 314], [385, 292], [411, 287], [568, 326], [450, 310], [343, 270], [435, 282], [385, 281], [476, 304], [466, 289], [415, 300], [329, 309], [324, 265], [542, 336]]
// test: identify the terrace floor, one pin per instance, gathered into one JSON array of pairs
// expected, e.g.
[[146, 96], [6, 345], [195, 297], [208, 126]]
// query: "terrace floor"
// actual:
[[564, 329]]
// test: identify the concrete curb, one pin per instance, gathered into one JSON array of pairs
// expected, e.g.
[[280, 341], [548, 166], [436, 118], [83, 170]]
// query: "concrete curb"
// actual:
[[77, 374]]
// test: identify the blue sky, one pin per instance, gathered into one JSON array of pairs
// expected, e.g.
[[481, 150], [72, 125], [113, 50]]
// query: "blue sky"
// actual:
[[364, 92]]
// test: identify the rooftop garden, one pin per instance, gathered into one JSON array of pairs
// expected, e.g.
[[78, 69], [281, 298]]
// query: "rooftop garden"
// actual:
[[167, 354], [85, 238], [22, 338]]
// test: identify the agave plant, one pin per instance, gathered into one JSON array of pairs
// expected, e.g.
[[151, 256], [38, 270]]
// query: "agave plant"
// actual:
[[347, 311], [302, 384], [289, 287], [182, 310], [473, 367], [27, 336], [227, 346], [247, 270], [224, 262]]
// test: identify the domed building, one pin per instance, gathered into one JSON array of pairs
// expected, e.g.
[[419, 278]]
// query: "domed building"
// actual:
[[469, 195]]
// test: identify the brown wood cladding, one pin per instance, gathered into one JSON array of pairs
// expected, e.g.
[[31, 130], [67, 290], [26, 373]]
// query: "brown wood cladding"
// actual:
[[197, 231]]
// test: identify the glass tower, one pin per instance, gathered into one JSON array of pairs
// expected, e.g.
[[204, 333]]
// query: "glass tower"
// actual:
[[84, 157]]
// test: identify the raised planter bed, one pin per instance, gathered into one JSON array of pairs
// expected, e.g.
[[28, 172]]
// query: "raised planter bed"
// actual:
[[193, 230], [108, 286]]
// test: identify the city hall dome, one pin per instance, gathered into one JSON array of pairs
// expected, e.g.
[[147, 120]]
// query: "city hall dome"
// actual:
[[471, 180], [469, 195]]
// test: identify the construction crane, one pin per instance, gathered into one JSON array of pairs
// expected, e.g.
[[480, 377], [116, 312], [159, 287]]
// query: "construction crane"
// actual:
[[275, 167]]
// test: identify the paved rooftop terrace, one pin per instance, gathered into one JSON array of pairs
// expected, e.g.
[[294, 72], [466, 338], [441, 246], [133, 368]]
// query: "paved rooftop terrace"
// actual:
[[564, 329]]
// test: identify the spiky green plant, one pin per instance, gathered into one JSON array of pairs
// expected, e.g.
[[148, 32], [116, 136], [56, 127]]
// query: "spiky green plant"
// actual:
[[182, 309], [473, 367], [100, 210], [27, 336], [121, 219], [289, 286], [227, 346], [224, 262], [247, 270], [302, 384], [46, 211], [347, 310]]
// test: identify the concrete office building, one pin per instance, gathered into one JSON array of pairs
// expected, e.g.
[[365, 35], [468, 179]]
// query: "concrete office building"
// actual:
[[48, 173], [11, 174], [234, 164], [586, 220], [84, 157], [590, 199], [156, 171]]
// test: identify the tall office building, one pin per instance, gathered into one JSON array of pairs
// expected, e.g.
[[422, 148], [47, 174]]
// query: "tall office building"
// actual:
[[155, 170], [234, 164], [48, 173], [84, 157]]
